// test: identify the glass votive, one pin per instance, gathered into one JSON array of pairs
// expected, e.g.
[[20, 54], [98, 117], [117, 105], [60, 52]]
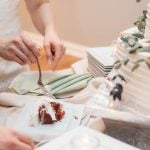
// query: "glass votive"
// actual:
[[85, 142]]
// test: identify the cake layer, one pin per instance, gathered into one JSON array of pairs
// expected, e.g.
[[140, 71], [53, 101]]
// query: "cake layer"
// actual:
[[137, 89]]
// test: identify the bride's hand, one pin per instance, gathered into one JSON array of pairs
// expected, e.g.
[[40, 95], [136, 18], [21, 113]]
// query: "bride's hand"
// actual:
[[20, 50], [54, 47]]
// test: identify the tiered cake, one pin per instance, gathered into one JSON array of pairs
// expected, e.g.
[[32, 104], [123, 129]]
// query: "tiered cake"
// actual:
[[147, 29], [133, 62], [137, 88]]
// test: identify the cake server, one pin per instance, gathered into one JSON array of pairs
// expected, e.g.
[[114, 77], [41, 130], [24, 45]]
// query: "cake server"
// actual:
[[40, 83]]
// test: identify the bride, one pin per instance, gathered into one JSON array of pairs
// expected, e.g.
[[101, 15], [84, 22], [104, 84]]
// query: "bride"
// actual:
[[17, 50]]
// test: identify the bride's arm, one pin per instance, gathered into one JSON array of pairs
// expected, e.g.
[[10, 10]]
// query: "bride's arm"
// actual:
[[41, 14], [42, 17]]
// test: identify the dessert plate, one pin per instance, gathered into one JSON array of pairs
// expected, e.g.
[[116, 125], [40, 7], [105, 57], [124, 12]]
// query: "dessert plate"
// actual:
[[71, 120], [103, 55], [87, 139], [100, 60]]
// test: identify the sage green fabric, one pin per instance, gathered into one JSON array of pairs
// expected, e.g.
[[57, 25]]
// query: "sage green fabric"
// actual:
[[28, 82], [58, 84]]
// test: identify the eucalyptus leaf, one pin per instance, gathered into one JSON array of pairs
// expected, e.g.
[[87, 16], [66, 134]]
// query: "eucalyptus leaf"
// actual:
[[125, 39], [138, 35], [116, 62], [141, 18], [136, 23], [138, 45], [133, 51], [138, 1], [136, 66], [141, 22], [126, 61], [117, 66], [145, 13], [136, 48], [140, 60]]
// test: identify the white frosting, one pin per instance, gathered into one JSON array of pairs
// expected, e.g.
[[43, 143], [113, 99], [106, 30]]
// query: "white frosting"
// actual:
[[34, 119], [137, 88], [50, 111]]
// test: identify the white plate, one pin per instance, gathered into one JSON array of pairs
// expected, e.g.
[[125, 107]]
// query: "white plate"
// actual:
[[97, 70], [89, 136], [72, 118], [103, 55], [91, 59]]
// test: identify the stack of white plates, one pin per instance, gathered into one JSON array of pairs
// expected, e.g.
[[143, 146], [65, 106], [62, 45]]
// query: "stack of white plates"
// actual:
[[147, 28], [100, 60]]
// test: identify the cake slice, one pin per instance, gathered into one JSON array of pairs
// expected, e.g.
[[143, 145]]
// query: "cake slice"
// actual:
[[47, 113], [50, 112]]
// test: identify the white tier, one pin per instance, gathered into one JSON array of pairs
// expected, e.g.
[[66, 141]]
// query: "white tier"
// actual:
[[137, 88], [147, 28]]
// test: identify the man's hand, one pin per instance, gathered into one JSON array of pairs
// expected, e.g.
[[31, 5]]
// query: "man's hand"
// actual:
[[11, 140], [54, 48], [20, 50]]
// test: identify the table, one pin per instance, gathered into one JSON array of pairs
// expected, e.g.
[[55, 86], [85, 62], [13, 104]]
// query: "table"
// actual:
[[74, 52]]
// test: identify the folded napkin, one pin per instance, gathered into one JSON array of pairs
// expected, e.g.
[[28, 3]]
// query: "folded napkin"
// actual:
[[26, 83]]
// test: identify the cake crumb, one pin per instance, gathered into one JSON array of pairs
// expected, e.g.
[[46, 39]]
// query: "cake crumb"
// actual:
[[75, 117]]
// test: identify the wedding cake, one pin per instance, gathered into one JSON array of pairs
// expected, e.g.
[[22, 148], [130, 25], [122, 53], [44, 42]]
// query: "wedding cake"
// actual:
[[132, 56], [147, 29]]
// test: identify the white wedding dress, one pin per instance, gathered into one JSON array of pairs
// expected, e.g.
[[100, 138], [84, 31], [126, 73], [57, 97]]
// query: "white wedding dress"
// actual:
[[9, 28]]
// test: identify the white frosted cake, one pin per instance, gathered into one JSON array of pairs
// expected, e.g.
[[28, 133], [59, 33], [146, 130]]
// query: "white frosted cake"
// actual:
[[136, 71], [134, 63], [147, 29]]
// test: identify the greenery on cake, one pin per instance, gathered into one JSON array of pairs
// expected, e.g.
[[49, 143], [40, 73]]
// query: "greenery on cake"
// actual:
[[141, 22], [133, 47]]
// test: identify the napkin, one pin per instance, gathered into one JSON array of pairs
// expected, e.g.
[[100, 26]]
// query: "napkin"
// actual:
[[26, 83]]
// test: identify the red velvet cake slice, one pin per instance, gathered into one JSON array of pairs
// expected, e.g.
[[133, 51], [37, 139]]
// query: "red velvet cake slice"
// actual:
[[50, 112]]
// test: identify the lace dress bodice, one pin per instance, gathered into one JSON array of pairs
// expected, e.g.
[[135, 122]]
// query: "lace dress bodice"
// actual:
[[9, 20], [9, 28]]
